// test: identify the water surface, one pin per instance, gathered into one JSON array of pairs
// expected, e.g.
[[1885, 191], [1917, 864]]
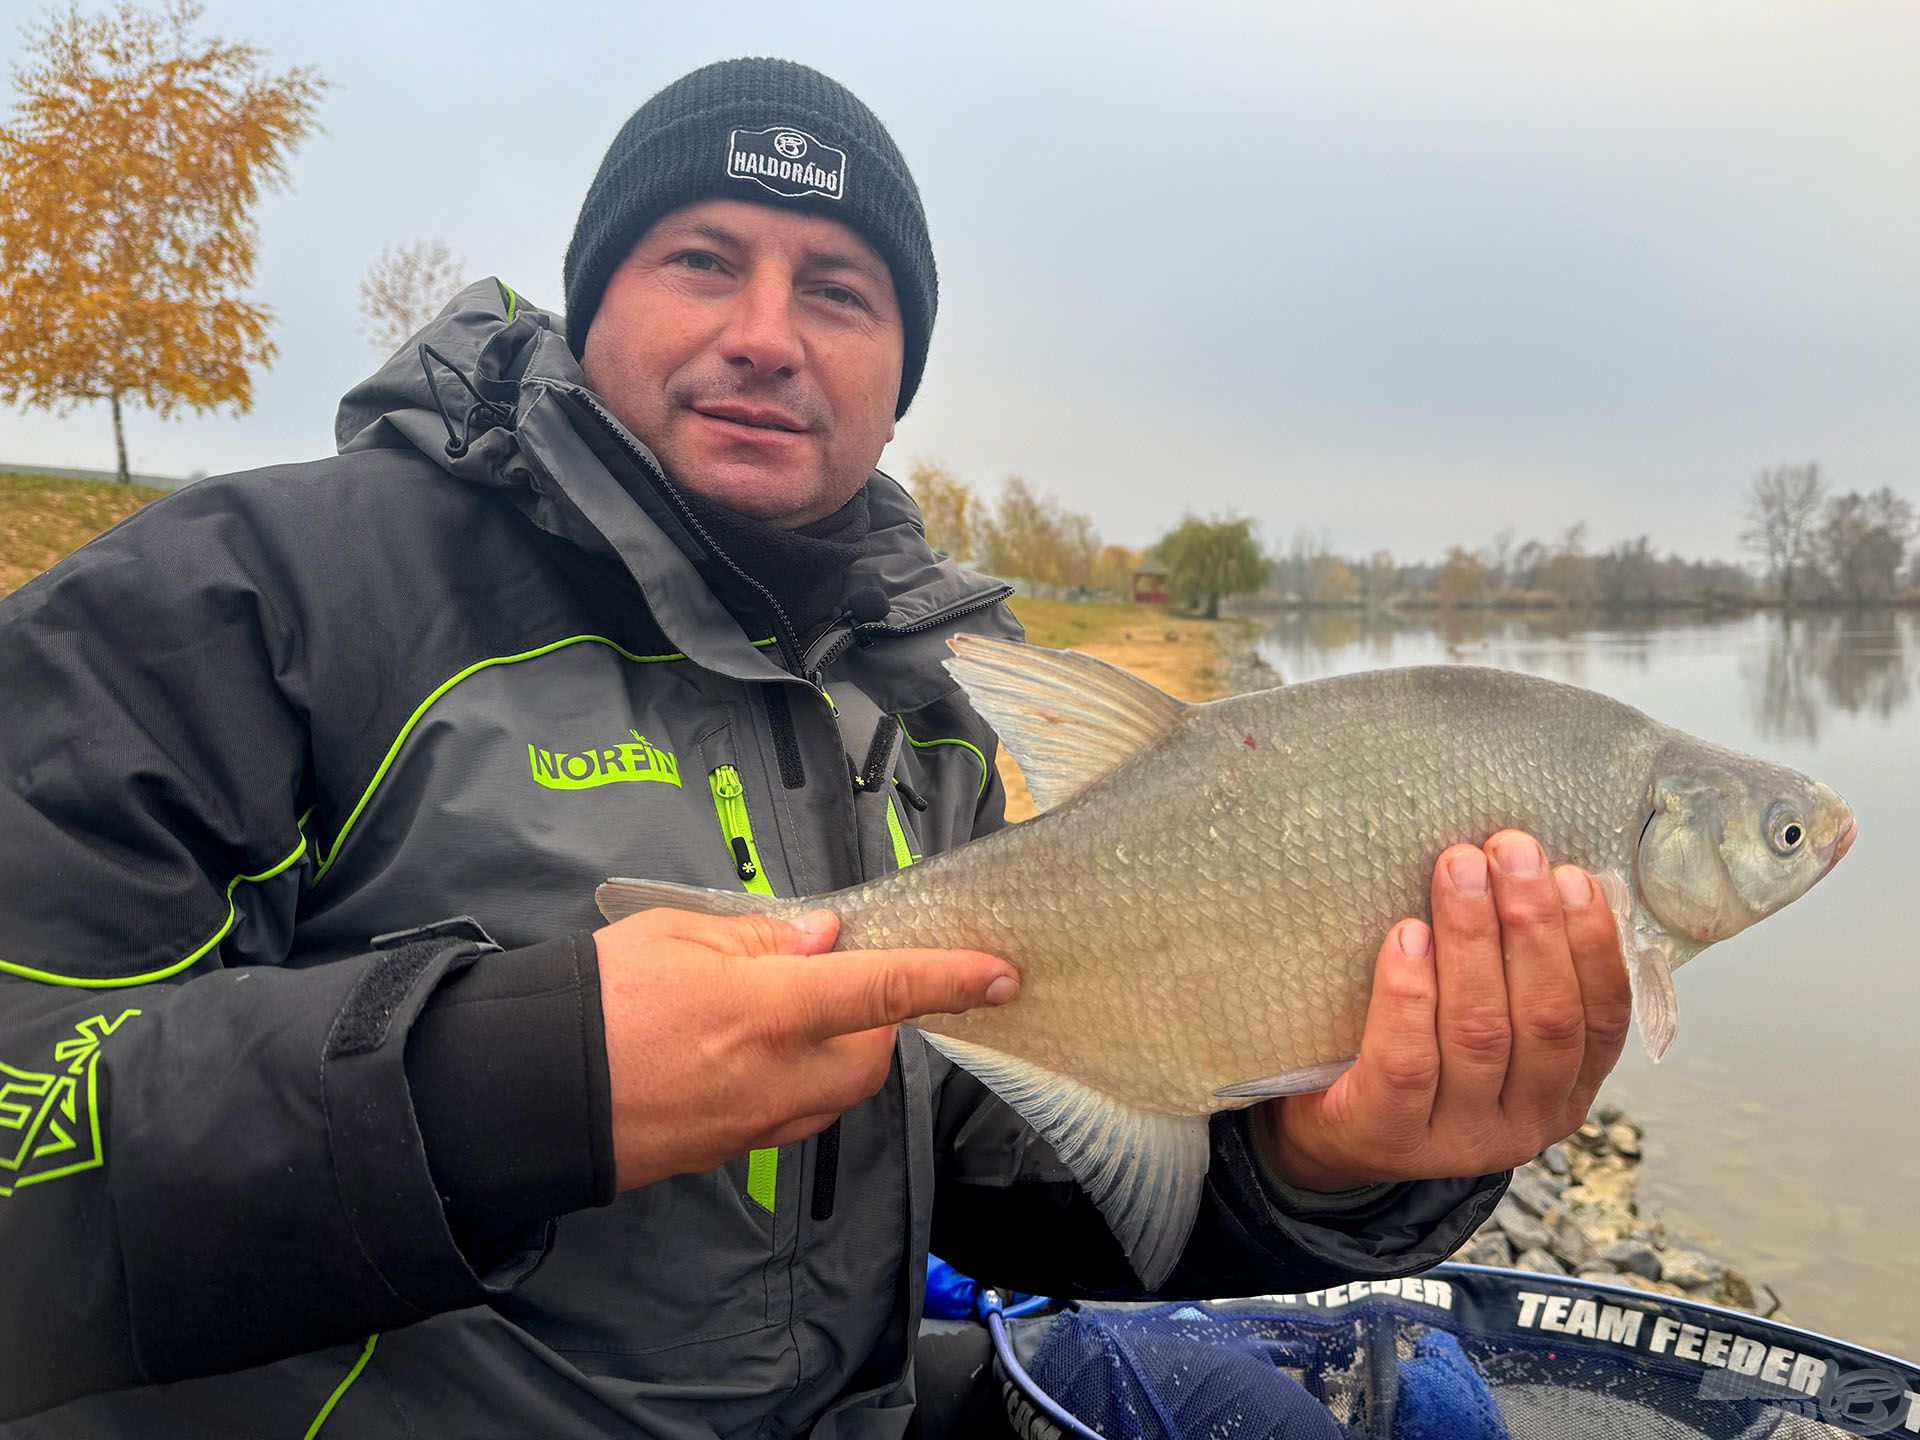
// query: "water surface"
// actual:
[[1781, 1126]]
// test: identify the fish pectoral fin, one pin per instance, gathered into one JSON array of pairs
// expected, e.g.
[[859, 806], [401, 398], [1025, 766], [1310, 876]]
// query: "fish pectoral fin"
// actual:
[[1656, 1009], [1066, 718], [1288, 1082], [1145, 1171], [619, 898]]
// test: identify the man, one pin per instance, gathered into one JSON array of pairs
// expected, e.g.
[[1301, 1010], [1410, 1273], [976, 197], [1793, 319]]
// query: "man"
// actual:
[[294, 1150]]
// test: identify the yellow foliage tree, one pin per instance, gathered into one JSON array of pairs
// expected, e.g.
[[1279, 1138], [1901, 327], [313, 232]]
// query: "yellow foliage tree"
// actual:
[[1114, 567], [948, 506], [1032, 537], [1462, 580], [130, 173]]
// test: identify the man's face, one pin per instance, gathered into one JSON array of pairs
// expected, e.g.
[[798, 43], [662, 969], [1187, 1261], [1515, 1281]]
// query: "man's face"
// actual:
[[757, 352]]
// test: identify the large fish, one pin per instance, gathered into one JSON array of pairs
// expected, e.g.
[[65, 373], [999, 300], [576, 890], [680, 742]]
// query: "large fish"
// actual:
[[1196, 914]]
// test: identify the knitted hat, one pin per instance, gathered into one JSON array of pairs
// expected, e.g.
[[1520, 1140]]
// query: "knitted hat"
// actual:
[[772, 132]]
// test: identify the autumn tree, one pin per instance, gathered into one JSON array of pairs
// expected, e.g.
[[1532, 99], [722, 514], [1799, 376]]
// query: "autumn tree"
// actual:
[[1782, 510], [1568, 571], [1034, 538], [1208, 560], [131, 169], [1114, 568], [1331, 581], [949, 507], [1462, 580], [405, 288]]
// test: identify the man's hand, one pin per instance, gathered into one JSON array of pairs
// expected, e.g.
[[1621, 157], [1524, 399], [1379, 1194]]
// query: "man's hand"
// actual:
[[1486, 1037], [731, 1034]]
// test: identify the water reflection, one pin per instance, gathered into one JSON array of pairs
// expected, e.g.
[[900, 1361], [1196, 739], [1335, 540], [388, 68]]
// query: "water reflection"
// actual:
[[1854, 663], [1795, 670]]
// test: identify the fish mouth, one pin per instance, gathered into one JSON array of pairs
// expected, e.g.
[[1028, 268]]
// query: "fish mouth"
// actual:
[[1843, 842]]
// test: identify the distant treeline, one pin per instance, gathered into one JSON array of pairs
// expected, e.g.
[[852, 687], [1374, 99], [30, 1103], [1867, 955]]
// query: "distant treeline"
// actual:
[[1810, 546], [1813, 547]]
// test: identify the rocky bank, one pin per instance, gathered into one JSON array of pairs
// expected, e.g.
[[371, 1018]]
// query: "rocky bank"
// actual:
[[1573, 1211]]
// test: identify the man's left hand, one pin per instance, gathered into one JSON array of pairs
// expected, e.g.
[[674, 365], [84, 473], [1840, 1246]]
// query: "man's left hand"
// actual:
[[1487, 1036]]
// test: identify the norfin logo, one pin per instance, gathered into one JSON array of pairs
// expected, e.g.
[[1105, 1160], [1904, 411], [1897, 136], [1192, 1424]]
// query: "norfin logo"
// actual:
[[637, 759], [788, 162]]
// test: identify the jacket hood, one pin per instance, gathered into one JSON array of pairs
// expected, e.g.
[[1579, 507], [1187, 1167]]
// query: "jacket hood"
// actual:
[[491, 393]]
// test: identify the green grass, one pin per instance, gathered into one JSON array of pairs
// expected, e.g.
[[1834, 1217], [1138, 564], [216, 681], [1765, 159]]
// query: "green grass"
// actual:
[[43, 519]]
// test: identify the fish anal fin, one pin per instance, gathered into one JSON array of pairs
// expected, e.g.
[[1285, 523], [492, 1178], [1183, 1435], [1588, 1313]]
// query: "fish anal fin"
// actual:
[[1303, 1081], [1144, 1171], [619, 898], [1066, 718]]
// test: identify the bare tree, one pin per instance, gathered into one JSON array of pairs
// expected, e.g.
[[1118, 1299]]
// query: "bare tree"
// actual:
[[1862, 542], [405, 288], [1781, 507]]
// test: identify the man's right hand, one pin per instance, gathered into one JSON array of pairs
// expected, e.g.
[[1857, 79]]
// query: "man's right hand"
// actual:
[[734, 1033]]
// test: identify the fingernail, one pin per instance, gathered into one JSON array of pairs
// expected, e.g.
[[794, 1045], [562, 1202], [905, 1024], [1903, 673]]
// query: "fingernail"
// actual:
[[1469, 872], [1574, 886], [815, 923], [1415, 940], [1002, 990], [1520, 855]]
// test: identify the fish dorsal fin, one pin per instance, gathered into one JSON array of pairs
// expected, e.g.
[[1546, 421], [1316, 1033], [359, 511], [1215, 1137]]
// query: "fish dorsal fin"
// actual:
[[1144, 1171], [1067, 718]]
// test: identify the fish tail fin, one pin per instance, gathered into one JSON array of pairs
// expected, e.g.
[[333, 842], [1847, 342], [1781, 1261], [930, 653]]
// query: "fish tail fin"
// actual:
[[1144, 1171], [619, 898]]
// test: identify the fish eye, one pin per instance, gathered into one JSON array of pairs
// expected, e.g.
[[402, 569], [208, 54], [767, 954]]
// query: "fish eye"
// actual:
[[1786, 832]]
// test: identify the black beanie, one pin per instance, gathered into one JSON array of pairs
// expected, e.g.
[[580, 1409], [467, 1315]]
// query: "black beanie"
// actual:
[[772, 132]]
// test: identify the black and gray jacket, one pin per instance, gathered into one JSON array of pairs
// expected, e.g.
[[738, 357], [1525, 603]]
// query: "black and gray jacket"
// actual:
[[256, 741]]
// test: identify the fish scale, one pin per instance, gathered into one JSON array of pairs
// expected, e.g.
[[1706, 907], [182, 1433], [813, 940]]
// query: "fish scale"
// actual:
[[1195, 915]]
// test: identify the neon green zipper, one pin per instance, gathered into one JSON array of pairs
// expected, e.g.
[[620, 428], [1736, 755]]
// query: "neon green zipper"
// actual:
[[903, 855], [730, 804]]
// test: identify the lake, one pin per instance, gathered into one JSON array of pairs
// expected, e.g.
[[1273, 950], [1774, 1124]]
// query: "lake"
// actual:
[[1781, 1125]]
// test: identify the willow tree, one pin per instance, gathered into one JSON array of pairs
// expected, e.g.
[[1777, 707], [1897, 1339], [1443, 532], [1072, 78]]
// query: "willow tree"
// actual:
[[1208, 560], [131, 168]]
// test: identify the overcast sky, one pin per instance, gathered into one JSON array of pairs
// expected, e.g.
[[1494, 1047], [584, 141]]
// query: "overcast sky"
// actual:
[[1403, 274]]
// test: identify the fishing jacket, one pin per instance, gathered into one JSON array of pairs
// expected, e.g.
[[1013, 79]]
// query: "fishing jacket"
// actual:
[[265, 744]]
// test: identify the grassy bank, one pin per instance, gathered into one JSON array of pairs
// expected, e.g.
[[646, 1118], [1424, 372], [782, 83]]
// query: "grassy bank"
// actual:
[[1180, 655], [43, 519]]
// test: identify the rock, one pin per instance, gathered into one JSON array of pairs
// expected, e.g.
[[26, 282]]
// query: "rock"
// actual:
[[1581, 1237], [1689, 1269], [1553, 1160], [1624, 1140], [1540, 1262], [1524, 1230], [1633, 1255], [1605, 1187], [1732, 1289], [1489, 1247], [1589, 1137], [1609, 1113], [1532, 1192]]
